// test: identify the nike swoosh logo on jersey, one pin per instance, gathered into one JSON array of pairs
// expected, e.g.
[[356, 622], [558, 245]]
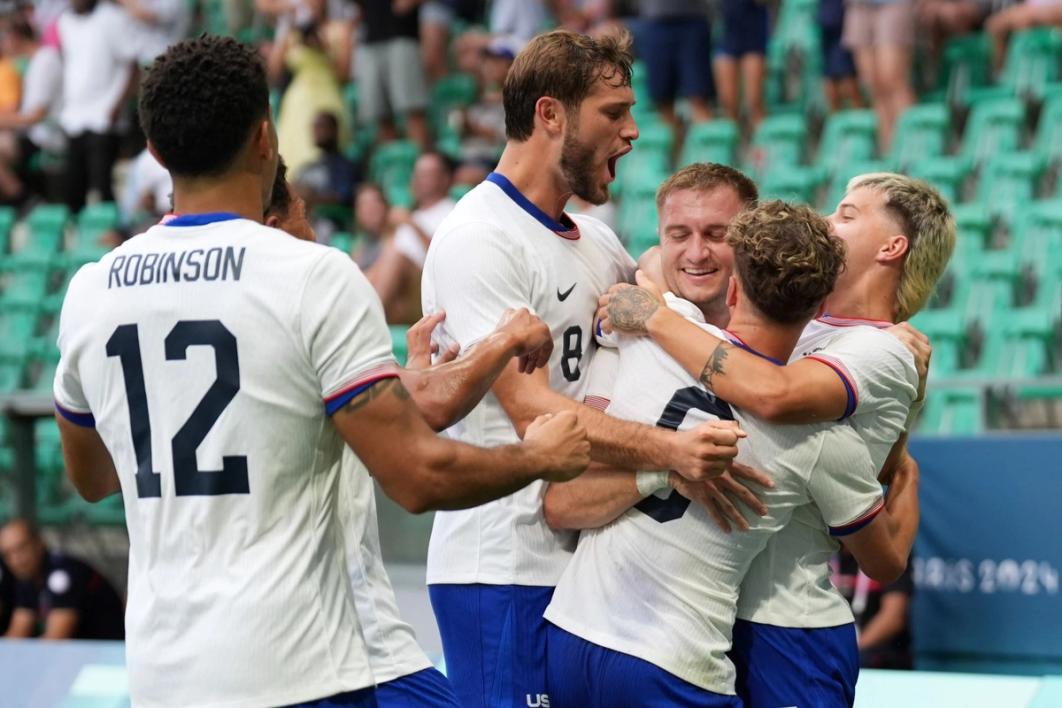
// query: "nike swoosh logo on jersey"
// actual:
[[562, 296]]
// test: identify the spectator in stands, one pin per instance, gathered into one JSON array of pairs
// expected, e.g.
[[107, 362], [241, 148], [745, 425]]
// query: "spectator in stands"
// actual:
[[371, 230], [147, 193], [940, 20], [881, 35], [483, 123], [7, 596], [881, 612], [838, 67], [56, 596], [396, 275], [389, 71], [741, 60], [157, 24], [1021, 16], [99, 76], [331, 178], [31, 128], [436, 17], [287, 210], [675, 40], [314, 89]]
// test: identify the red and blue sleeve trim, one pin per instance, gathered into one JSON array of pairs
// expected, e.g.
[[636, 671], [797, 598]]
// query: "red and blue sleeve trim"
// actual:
[[85, 420], [846, 378], [862, 522], [352, 390]]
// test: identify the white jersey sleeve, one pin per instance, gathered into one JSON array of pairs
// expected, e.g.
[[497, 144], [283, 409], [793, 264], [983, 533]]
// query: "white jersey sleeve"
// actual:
[[844, 484], [349, 347], [479, 256], [67, 389], [601, 378]]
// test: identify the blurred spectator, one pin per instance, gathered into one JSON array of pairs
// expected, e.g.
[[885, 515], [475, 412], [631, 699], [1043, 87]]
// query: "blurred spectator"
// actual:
[[1021, 16], [941, 20], [157, 24], [287, 210], [331, 178], [314, 88], [435, 20], [468, 49], [676, 43], [389, 71], [838, 67], [99, 76], [396, 273], [33, 126], [881, 614], [483, 123], [371, 229], [740, 61], [56, 596], [520, 18], [10, 84], [881, 34], [147, 193], [7, 596]]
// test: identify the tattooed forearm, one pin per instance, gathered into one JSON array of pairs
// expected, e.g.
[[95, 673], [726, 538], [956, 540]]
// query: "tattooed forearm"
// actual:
[[630, 309], [715, 364], [393, 386]]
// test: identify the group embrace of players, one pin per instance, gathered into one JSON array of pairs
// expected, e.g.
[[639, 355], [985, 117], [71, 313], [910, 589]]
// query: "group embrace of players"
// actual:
[[639, 486]]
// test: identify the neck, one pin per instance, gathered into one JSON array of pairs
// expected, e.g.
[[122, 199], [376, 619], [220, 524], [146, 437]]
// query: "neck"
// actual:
[[866, 300], [768, 338], [239, 194], [716, 312], [522, 164]]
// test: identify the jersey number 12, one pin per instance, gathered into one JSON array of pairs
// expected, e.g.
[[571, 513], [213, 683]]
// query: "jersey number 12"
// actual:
[[188, 479]]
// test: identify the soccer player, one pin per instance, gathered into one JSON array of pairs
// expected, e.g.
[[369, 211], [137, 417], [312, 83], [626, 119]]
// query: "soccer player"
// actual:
[[794, 643], [212, 369], [509, 244], [644, 611]]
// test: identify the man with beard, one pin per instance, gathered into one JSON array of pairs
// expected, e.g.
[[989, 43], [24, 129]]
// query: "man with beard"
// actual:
[[509, 244]]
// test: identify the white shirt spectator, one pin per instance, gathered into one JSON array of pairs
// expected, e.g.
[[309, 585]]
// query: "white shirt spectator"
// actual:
[[42, 88], [146, 176], [428, 219], [172, 20], [97, 58]]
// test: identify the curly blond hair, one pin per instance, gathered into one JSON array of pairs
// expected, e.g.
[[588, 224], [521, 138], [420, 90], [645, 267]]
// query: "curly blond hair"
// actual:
[[786, 259], [924, 218]]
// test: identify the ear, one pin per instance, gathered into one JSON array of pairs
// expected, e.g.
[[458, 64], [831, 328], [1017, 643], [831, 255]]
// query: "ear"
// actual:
[[732, 289], [155, 154], [550, 114], [273, 221], [263, 140], [894, 249]]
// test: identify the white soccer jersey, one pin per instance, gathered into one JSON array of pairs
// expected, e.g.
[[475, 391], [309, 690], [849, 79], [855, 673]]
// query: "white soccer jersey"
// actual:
[[496, 250], [206, 355], [661, 582], [789, 583], [393, 648]]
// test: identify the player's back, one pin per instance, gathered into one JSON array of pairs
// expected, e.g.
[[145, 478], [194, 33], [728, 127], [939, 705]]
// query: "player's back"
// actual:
[[671, 575], [204, 353]]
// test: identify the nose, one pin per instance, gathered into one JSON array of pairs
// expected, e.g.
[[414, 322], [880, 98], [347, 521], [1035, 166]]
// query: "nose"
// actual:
[[629, 131]]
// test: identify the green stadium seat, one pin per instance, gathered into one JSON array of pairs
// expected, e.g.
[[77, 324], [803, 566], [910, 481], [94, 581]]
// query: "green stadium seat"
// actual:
[[637, 217], [640, 85], [794, 59], [451, 92], [1008, 183], [655, 137], [391, 167], [639, 171], [339, 214], [7, 223], [921, 132], [1031, 65], [398, 343], [459, 190], [1014, 358], [849, 136], [10, 376], [985, 302], [973, 225], [838, 186], [779, 140], [994, 128], [947, 174], [792, 183], [342, 240], [966, 64], [952, 411], [25, 291], [711, 141], [1048, 139]]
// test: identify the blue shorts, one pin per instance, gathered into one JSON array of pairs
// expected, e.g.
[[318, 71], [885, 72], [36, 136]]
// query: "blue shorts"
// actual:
[[494, 640], [745, 28], [807, 668], [585, 675], [423, 689], [678, 58], [362, 698], [837, 62]]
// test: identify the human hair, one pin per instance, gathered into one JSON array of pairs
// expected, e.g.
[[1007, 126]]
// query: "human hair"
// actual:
[[786, 259], [449, 165], [199, 102], [19, 26], [280, 197], [563, 65], [924, 218], [706, 176]]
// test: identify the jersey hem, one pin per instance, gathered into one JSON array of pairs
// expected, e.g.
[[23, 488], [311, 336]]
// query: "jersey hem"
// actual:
[[301, 696]]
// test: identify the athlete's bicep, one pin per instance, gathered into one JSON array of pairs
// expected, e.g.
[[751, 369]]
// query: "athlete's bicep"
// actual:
[[872, 545], [817, 389], [527, 396]]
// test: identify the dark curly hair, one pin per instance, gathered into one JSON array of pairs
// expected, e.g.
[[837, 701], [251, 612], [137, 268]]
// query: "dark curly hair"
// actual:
[[199, 102]]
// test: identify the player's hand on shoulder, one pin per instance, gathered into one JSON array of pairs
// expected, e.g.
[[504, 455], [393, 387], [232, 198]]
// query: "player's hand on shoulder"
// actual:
[[705, 452], [562, 442], [721, 496], [918, 344], [533, 340], [629, 308], [420, 347]]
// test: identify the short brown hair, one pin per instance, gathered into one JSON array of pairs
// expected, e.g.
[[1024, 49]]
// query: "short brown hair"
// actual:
[[786, 259], [924, 218], [706, 176], [279, 197], [563, 65]]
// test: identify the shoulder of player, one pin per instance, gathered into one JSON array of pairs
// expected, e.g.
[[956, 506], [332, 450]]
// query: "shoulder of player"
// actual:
[[871, 342]]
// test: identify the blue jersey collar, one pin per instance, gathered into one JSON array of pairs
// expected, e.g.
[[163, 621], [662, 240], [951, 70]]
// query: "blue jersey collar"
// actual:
[[201, 219], [569, 230], [740, 344]]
